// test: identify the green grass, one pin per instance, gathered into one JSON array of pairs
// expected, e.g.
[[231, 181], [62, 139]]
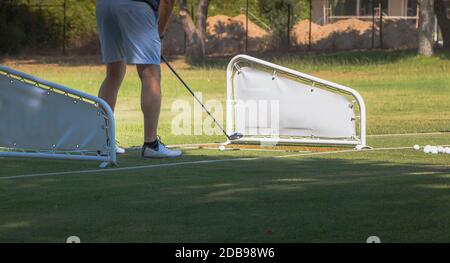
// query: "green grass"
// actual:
[[398, 195], [403, 92]]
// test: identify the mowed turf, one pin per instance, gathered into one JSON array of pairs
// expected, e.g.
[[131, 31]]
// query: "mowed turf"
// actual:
[[249, 196]]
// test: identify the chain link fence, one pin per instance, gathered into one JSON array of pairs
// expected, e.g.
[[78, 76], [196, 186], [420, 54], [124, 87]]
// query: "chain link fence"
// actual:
[[318, 25], [242, 26]]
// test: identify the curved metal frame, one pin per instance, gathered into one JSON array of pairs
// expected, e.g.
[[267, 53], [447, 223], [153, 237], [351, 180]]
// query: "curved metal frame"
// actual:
[[234, 64], [111, 158]]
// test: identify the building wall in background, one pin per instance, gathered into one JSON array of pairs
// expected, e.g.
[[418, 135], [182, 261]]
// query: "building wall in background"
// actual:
[[317, 11], [360, 8], [397, 8]]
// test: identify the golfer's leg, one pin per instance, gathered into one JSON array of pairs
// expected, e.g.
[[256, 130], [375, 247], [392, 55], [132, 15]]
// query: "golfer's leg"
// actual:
[[150, 99], [115, 72]]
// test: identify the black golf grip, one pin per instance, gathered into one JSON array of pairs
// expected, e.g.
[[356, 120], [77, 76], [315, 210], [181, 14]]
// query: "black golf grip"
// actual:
[[193, 94]]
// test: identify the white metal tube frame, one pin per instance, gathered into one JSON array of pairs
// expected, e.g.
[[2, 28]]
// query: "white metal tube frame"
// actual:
[[111, 158], [360, 143]]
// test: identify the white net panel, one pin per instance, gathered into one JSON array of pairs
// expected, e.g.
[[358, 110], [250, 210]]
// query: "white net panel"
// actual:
[[289, 108], [41, 118]]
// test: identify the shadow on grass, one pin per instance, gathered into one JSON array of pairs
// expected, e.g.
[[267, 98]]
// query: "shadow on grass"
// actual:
[[355, 58], [266, 200], [71, 61], [443, 54], [204, 157], [310, 59]]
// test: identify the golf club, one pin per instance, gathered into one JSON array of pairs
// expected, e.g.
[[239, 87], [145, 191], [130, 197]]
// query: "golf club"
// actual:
[[232, 137]]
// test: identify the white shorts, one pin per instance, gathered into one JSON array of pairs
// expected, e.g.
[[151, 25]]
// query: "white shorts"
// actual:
[[128, 31]]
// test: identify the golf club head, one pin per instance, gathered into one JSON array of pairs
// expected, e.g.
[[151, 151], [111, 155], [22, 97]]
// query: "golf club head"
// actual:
[[235, 136]]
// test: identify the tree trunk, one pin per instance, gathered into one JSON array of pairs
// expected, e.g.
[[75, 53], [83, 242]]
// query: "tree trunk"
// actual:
[[440, 8], [426, 27], [195, 34], [202, 14]]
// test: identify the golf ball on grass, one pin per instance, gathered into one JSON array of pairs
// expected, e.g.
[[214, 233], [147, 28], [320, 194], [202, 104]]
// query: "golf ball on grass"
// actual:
[[221, 148], [434, 150], [416, 147]]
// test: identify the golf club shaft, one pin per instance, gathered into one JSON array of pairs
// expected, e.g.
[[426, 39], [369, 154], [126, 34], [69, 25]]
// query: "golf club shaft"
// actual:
[[196, 98]]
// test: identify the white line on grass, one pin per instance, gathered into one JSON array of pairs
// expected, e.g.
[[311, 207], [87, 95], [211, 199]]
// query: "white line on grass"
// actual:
[[125, 168], [166, 165], [408, 134], [184, 146], [214, 144], [192, 162], [240, 149]]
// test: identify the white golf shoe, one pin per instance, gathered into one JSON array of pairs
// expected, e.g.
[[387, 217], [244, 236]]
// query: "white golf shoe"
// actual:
[[161, 152], [120, 150]]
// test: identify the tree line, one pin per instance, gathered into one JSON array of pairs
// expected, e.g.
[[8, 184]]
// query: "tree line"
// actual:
[[23, 25]]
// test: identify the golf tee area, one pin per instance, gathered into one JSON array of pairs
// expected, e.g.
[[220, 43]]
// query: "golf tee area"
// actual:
[[245, 194]]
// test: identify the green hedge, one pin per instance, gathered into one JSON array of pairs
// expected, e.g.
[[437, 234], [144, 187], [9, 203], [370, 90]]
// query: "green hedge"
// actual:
[[37, 26], [22, 27]]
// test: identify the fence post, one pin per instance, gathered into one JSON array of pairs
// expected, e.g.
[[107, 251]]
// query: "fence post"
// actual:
[[380, 5], [288, 31], [436, 31], [418, 16], [64, 27], [246, 27], [373, 24], [310, 25], [184, 43]]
